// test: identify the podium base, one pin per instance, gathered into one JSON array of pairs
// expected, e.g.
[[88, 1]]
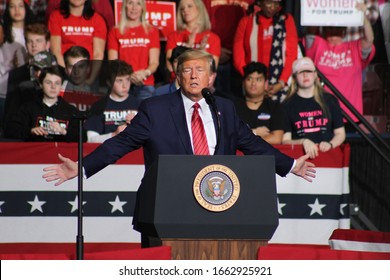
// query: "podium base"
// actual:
[[195, 249]]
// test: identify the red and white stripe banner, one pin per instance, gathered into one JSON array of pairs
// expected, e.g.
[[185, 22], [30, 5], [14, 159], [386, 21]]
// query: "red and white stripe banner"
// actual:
[[34, 211]]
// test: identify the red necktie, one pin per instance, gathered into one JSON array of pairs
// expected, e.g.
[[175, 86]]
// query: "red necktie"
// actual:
[[199, 139]]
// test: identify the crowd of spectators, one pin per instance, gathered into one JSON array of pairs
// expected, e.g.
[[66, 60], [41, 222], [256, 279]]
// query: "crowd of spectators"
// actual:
[[254, 45]]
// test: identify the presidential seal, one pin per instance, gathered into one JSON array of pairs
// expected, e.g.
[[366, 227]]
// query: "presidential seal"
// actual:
[[216, 188]]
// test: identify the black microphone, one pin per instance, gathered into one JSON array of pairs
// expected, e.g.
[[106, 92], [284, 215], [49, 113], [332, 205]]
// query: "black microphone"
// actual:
[[210, 100]]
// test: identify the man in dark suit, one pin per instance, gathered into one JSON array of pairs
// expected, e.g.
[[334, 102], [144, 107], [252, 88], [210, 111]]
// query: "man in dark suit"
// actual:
[[163, 126]]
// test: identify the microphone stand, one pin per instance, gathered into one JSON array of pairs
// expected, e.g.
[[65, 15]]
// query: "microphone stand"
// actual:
[[80, 238], [81, 117], [215, 109], [210, 100]]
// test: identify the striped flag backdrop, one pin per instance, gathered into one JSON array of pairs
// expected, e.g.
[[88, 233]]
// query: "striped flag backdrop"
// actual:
[[34, 211], [309, 212]]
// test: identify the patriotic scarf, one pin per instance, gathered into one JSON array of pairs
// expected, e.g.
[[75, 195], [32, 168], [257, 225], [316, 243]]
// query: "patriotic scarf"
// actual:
[[276, 58]]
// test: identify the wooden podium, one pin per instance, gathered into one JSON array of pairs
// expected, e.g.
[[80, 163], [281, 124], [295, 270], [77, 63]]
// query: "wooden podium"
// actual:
[[170, 208], [228, 249]]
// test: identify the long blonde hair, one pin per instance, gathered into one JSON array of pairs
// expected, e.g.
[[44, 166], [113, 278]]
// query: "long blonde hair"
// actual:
[[317, 93], [203, 19], [123, 20]]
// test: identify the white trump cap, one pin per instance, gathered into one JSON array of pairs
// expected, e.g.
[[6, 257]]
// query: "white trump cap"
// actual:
[[301, 64]]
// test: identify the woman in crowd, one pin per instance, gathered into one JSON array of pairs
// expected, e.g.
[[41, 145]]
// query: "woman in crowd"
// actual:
[[313, 117], [269, 36], [77, 23], [343, 62], [137, 43], [13, 48], [16, 16], [103, 7], [193, 31]]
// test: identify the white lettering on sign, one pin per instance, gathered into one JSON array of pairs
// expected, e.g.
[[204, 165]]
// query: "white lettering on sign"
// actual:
[[331, 13], [331, 3], [158, 19], [158, 16]]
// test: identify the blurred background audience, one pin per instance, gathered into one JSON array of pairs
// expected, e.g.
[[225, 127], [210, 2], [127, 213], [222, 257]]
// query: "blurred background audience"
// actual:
[[237, 33]]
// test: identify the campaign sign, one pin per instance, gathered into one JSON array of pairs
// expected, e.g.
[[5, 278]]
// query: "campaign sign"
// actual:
[[159, 14], [330, 13]]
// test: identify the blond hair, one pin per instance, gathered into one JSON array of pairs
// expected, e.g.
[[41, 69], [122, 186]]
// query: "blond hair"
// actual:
[[123, 20], [203, 18], [194, 54]]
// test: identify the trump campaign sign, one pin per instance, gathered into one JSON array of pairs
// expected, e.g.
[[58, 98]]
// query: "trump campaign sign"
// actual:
[[331, 13], [159, 14]]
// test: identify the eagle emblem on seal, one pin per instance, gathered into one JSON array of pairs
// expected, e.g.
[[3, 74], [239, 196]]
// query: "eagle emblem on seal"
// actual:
[[216, 188]]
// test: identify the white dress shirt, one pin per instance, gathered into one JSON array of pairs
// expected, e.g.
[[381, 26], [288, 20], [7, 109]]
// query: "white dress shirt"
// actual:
[[207, 119]]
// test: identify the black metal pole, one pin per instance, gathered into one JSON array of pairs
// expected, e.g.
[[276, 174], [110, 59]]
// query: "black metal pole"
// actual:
[[354, 111], [359, 116], [376, 148], [80, 237]]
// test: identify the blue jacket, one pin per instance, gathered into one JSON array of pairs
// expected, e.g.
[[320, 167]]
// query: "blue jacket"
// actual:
[[160, 127]]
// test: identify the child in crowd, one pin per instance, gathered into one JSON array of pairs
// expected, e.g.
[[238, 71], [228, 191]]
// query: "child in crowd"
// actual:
[[28, 90], [81, 89], [49, 118], [37, 38], [111, 114]]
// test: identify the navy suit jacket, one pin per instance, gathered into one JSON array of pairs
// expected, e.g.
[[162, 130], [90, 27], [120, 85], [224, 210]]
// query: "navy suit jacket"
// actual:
[[160, 127]]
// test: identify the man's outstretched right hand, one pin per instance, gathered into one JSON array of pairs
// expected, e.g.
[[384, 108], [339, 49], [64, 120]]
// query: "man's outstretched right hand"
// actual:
[[62, 172]]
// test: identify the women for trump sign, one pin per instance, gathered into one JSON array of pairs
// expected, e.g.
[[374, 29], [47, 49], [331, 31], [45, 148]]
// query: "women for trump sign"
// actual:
[[331, 13]]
